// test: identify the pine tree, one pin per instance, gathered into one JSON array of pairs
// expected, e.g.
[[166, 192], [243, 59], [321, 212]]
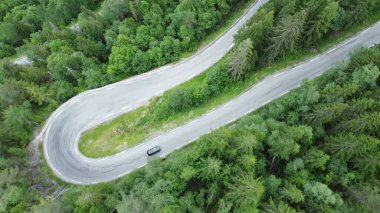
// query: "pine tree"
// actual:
[[242, 60], [246, 191], [350, 145], [286, 36], [319, 26]]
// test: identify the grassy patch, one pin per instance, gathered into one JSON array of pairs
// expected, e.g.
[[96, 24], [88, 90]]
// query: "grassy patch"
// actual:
[[120, 134], [131, 128]]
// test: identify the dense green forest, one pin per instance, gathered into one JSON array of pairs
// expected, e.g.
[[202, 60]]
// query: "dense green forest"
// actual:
[[233, 168], [21, 18], [315, 150]]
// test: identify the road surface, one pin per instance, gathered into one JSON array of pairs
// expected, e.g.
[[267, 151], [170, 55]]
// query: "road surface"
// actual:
[[62, 130]]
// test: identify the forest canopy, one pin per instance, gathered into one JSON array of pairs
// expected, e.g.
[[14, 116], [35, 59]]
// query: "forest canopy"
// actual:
[[286, 157]]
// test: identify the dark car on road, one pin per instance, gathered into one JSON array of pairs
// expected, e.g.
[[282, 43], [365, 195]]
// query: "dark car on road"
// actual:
[[153, 150]]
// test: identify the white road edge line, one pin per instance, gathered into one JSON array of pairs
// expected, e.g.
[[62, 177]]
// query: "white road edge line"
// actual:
[[139, 145], [265, 103], [366, 30], [110, 87], [58, 113], [143, 100], [314, 59], [348, 41], [230, 121], [110, 115], [332, 50], [74, 101], [93, 93], [126, 107], [284, 93], [261, 82], [194, 139]]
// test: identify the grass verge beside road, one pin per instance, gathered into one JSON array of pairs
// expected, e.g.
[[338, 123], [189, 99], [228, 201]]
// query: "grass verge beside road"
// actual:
[[133, 127]]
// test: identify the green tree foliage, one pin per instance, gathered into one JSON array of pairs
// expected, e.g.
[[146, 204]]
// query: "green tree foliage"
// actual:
[[361, 10], [18, 120], [62, 90], [183, 99], [9, 176], [62, 11], [366, 77], [366, 123], [91, 24], [348, 146], [284, 9], [11, 93], [9, 34], [340, 21], [272, 184], [6, 6], [48, 206], [286, 36], [321, 194], [242, 60], [316, 159], [285, 143], [246, 192], [278, 206], [294, 166], [112, 10], [130, 204], [159, 32], [367, 197], [325, 12], [64, 67], [12, 199], [257, 29], [292, 193], [6, 50], [121, 57], [326, 113], [135, 7], [363, 56], [247, 161], [19, 22], [360, 106], [369, 164], [211, 169], [25, 19]]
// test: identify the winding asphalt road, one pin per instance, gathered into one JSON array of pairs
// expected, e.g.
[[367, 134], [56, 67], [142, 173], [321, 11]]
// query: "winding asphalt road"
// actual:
[[62, 130]]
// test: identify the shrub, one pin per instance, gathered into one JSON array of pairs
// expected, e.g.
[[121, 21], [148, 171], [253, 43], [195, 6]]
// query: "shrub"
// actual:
[[181, 99]]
